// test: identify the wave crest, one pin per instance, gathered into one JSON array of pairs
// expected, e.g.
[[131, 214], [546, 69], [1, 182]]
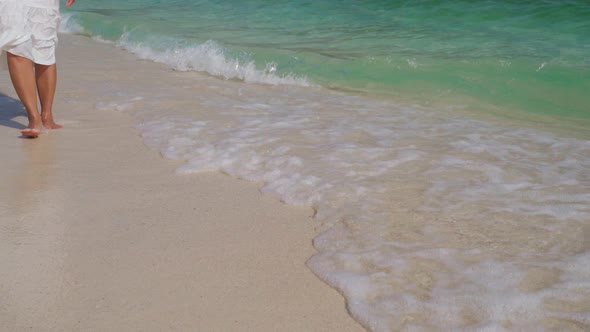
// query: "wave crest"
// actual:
[[210, 56]]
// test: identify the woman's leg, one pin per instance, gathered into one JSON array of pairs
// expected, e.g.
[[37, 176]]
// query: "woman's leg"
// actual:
[[22, 75], [46, 77]]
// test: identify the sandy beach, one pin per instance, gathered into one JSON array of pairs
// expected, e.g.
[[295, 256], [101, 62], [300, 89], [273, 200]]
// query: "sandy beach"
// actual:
[[98, 233]]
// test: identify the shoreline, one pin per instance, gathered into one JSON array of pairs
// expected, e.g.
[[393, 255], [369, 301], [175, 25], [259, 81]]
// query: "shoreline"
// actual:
[[100, 232]]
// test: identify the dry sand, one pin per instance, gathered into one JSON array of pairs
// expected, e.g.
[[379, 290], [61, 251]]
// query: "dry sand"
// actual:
[[97, 233]]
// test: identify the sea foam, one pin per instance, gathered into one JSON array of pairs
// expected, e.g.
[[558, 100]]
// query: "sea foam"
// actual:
[[69, 24], [209, 57], [429, 220]]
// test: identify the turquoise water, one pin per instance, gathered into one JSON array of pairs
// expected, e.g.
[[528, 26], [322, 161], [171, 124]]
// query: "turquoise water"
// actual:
[[431, 215], [517, 56]]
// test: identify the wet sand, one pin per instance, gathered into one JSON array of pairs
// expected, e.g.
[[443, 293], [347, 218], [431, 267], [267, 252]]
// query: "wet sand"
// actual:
[[98, 233]]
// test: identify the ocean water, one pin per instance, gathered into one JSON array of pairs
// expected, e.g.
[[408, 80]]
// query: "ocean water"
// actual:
[[526, 56], [445, 146]]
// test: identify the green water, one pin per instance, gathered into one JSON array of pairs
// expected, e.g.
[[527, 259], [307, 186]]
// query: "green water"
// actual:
[[522, 56]]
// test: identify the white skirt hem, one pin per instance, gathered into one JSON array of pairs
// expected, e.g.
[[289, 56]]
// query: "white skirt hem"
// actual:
[[30, 32]]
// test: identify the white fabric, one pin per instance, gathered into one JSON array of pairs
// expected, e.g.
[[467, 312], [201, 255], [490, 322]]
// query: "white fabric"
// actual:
[[36, 3], [28, 28]]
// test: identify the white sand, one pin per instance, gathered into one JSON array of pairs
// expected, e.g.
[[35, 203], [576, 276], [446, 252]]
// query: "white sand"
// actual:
[[97, 233]]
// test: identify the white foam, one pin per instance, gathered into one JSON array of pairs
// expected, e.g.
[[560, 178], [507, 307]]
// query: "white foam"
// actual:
[[69, 24], [122, 104], [430, 221], [210, 57]]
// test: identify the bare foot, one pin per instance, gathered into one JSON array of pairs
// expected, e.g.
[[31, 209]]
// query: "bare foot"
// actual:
[[48, 122], [31, 132], [51, 125]]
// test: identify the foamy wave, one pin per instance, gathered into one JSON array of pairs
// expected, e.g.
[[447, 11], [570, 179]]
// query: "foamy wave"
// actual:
[[210, 57], [69, 24], [460, 224], [429, 220]]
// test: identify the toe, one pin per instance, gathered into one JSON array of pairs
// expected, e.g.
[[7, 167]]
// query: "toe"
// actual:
[[30, 132]]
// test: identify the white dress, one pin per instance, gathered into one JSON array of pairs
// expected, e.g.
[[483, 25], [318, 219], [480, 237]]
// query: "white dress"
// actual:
[[28, 28]]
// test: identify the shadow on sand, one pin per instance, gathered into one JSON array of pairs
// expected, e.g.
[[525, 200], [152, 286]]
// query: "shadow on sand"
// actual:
[[10, 109]]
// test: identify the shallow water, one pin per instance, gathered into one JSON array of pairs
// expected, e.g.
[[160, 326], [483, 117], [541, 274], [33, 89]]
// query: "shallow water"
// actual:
[[525, 56], [428, 220], [432, 214]]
